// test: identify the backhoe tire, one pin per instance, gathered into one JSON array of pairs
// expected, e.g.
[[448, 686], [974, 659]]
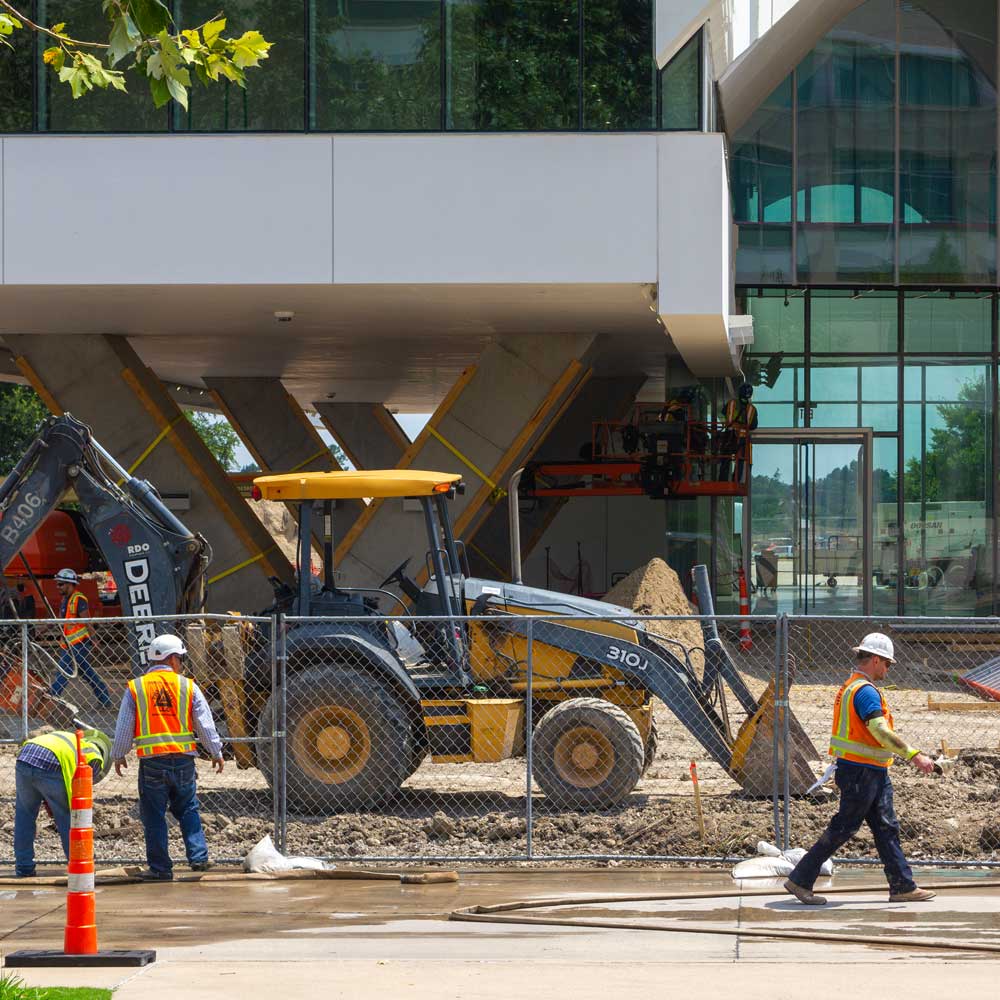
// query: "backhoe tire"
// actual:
[[651, 742], [588, 754], [349, 740]]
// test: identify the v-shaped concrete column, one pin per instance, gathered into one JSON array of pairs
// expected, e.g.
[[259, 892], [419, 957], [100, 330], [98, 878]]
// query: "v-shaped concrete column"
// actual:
[[368, 433], [102, 381]]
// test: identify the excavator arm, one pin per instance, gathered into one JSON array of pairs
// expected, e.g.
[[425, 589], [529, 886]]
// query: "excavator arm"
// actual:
[[157, 563]]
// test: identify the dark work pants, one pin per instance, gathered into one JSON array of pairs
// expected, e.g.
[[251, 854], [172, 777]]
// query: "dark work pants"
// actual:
[[865, 797]]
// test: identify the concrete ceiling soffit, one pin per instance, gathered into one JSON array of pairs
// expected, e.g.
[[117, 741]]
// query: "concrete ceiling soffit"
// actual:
[[752, 77]]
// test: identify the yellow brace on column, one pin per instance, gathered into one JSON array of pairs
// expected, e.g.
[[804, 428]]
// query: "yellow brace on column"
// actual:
[[498, 491]]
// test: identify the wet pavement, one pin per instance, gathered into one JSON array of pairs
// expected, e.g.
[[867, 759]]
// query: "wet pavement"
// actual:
[[359, 939]]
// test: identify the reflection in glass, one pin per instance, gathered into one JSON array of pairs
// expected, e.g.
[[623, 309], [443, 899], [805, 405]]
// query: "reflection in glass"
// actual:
[[15, 83], [512, 64], [274, 97], [377, 65], [947, 322], [778, 320], [619, 72], [862, 320], [885, 530], [681, 89]]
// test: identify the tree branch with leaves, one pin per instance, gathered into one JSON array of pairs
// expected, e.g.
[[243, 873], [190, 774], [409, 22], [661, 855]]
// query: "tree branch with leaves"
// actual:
[[142, 37]]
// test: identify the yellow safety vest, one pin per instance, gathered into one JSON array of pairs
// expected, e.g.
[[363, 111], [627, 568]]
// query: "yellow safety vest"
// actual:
[[63, 745], [851, 738], [164, 702], [75, 634]]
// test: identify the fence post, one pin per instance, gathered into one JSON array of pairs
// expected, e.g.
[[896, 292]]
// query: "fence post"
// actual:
[[279, 659], [528, 741], [780, 639], [786, 712], [24, 680]]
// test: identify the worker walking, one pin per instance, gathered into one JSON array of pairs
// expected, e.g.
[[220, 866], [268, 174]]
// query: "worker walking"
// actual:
[[864, 744], [76, 643], [43, 774], [161, 712]]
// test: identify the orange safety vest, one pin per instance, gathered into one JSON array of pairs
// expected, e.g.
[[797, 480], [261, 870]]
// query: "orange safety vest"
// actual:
[[74, 634], [851, 738], [164, 702]]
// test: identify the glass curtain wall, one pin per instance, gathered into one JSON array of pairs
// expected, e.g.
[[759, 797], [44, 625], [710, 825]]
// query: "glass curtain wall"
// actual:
[[919, 367], [389, 66], [887, 131]]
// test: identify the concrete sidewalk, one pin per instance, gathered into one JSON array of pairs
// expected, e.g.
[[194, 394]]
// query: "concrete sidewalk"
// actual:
[[367, 939]]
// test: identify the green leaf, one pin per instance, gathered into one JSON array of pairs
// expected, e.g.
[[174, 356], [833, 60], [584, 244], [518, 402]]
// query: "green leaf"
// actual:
[[177, 91], [158, 88], [8, 23], [58, 29], [249, 49], [77, 77], [192, 37], [54, 57], [151, 16], [213, 29], [124, 39]]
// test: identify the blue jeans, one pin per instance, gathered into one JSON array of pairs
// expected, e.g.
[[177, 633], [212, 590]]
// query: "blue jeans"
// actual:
[[169, 780], [80, 655], [33, 786], [865, 797]]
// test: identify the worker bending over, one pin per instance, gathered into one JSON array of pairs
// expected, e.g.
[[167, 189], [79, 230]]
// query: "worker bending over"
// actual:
[[864, 744], [43, 773], [161, 712]]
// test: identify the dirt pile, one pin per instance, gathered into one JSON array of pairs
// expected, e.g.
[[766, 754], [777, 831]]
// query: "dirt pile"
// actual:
[[655, 589], [280, 524]]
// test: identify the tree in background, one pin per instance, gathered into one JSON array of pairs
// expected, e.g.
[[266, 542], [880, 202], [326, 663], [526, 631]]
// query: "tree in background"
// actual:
[[21, 414], [220, 438]]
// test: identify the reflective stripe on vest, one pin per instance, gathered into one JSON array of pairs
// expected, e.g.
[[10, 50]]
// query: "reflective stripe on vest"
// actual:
[[75, 634], [163, 708], [63, 745], [850, 738]]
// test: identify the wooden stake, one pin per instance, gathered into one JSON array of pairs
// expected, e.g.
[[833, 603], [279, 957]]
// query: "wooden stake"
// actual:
[[697, 802]]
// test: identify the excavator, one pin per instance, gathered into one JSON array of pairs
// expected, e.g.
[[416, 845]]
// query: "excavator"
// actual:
[[365, 704], [158, 564]]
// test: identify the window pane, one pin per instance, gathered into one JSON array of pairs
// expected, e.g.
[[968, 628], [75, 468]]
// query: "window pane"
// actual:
[[377, 65], [619, 72], [945, 322], [764, 254], [681, 83], [761, 161], [15, 82], [274, 98], [512, 64], [853, 321], [778, 320], [885, 531], [100, 110], [845, 254], [947, 122]]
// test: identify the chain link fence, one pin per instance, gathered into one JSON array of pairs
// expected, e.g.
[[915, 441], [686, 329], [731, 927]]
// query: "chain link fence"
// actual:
[[505, 737]]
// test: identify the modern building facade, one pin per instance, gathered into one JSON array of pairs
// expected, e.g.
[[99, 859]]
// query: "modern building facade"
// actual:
[[524, 216]]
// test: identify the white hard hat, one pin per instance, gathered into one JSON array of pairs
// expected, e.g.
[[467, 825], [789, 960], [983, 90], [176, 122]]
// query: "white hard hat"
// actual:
[[67, 576], [164, 646], [878, 645]]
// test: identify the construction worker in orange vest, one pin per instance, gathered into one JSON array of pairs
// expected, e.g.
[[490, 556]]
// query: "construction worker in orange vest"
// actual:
[[76, 642], [161, 713], [864, 743], [740, 419]]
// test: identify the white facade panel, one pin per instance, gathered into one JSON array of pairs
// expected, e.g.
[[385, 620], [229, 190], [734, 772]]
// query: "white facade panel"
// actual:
[[167, 210], [512, 208]]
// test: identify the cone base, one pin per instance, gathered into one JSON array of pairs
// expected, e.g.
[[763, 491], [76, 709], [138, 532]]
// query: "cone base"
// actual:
[[31, 958]]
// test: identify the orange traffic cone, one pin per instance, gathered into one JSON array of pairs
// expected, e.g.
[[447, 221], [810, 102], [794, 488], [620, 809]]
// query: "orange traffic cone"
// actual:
[[746, 640], [81, 919]]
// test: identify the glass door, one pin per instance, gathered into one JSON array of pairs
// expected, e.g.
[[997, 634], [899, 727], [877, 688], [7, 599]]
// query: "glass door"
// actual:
[[809, 522]]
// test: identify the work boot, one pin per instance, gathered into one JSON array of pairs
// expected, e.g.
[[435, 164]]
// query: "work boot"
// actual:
[[913, 896], [804, 895], [150, 876], [200, 866]]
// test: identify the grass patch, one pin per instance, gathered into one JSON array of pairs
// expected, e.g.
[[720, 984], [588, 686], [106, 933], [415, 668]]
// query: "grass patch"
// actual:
[[14, 988]]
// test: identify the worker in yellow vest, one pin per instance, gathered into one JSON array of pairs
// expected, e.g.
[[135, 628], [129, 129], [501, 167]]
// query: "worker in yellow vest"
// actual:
[[43, 774], [162, 713], [740, 418], [864, 743], [76, 642]]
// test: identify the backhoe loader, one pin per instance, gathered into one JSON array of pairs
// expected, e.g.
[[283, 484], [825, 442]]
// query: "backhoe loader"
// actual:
[[363, 708]]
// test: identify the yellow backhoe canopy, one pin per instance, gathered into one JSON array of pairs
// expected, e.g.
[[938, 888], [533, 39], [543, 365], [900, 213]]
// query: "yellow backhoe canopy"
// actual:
[[353, 485]]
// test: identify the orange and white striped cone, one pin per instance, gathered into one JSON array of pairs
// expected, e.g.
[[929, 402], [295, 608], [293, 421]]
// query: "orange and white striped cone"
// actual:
[[81, 917], [746, 639]]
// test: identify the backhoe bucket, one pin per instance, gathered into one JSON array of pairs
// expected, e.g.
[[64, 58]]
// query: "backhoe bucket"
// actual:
[[753, 762]]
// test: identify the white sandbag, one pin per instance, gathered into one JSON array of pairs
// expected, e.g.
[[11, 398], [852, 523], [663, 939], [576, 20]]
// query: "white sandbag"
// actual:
[[265, 857], [772, 862]]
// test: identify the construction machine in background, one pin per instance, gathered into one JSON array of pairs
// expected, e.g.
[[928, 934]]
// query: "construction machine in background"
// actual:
[[363, 708], [157, 563]]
